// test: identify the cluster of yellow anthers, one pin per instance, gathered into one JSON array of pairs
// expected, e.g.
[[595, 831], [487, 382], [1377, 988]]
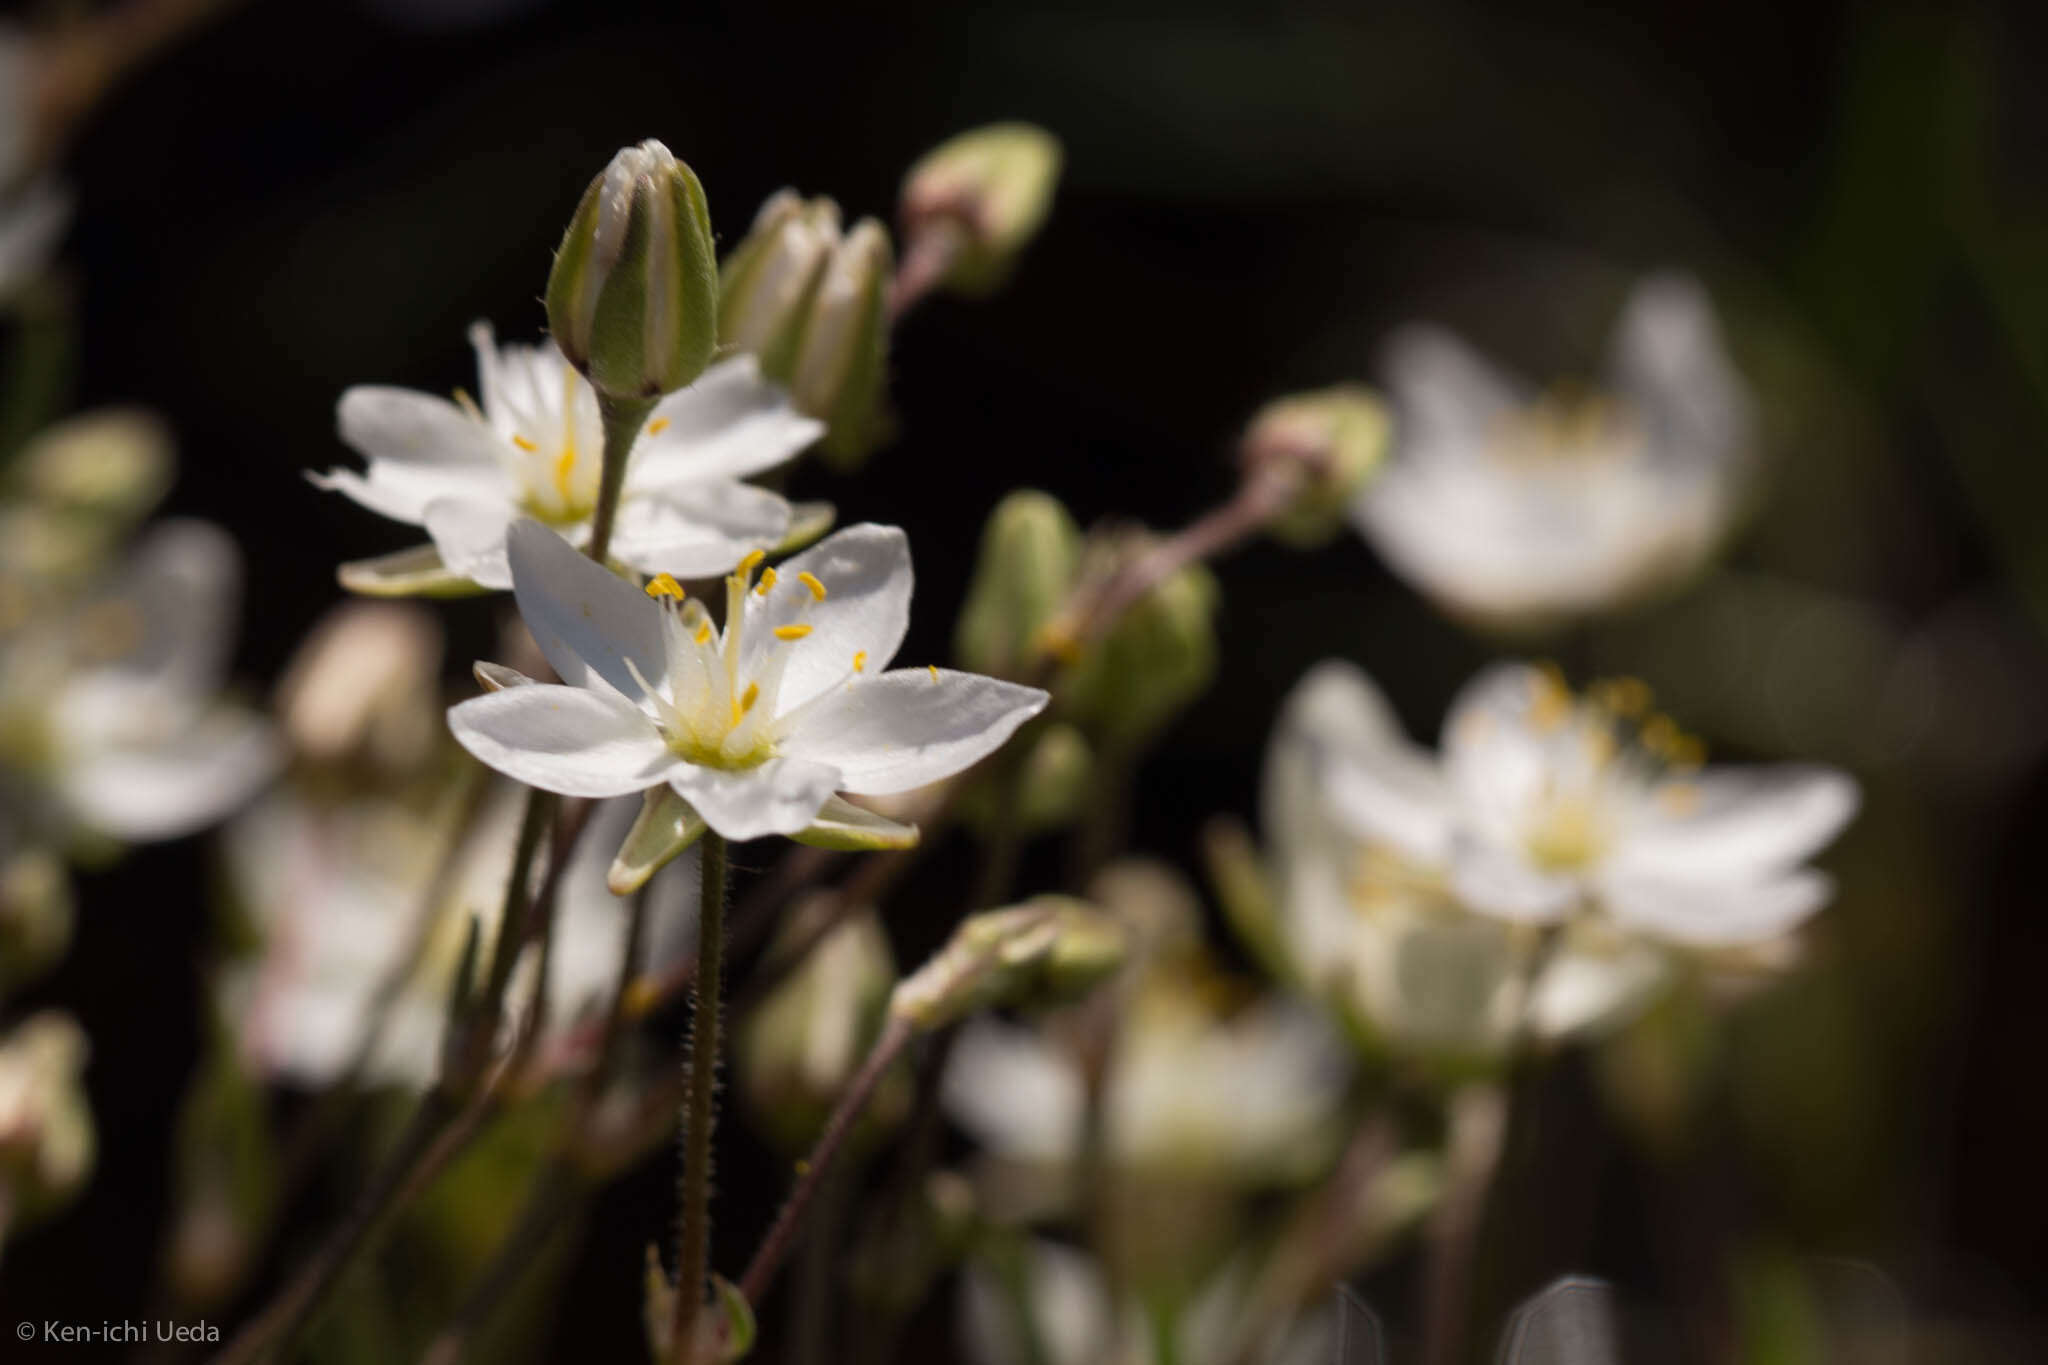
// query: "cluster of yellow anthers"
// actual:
[[1565, 425]]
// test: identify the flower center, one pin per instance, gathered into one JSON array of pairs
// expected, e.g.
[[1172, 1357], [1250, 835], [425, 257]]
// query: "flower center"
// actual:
[[1600, 746], [719, 708], [1566, 428]]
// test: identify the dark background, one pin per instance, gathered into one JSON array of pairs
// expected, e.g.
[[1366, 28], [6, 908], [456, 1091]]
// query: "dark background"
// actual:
[[307, 195]]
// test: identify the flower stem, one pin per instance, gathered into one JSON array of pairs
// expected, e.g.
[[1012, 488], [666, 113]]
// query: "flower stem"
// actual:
[[760, 1272], [700, 1114], [623, 418], [927, 258]]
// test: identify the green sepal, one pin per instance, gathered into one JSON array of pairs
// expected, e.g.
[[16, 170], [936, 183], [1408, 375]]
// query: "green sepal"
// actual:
[[417, 572], [847, 828], [665, 827]]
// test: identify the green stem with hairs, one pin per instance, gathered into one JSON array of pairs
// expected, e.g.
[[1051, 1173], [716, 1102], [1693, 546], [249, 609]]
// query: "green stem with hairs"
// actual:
[[700, 1112]]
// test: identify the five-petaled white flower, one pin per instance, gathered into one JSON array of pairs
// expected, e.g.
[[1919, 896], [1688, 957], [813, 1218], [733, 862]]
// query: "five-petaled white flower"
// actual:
[[755, 725], [1513, 509], [534, 448], [1544, 804], [110, 713]]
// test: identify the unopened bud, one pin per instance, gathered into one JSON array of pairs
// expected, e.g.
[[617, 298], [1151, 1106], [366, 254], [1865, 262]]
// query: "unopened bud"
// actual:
[[35, 914], [995, 186], [799, 1048], [841, 366], [362, 688], [633, 296], [46, 1131], [1030, 554], [767, 284], [116, 464], [1048, 949], [1157, 658], [1331, 442]]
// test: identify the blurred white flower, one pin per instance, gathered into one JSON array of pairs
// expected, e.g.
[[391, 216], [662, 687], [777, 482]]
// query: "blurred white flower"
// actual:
[[110, 713], [1246, 1098], [1518, 510], [33, 209], [1051, 1304], [755, 725], [534, 448], [340, 895], [47, 1140], [1544, 804], [1370, 924]]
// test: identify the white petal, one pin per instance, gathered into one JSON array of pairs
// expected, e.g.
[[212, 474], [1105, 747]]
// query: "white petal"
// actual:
[[867, 578], [907, 728], [1736, 824], [470, 535], [1379, 786], [186, 782], [1495, 754], [697, 530], [403, 491], [1012, 1092], [414, 428], [780, 796], [729, 424], [1715, 914], [1449, 398], [1585, 990], [1669, 363], [586, 619], [1495, 880], [563, 739]]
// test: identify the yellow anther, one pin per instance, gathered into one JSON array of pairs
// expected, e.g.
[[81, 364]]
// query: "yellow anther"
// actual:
[[935, 671], [767, 582], [640, 997], [747, 565], [791, 632], [1552, 701], [749, 697], [704, 632], [468, 404], [1687, 751], [1661, 736], [860, 661], [523, 443], [1626, 697], [657, 426], [1679, 798], [564, 467], [665, 585], [810, 580]]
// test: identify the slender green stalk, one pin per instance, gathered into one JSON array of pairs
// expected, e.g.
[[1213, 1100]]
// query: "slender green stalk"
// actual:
[[700, 1114], [622, 421]]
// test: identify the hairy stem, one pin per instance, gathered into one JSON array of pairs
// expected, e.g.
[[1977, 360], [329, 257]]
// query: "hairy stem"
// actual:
[[622, 421], [701, 1113]]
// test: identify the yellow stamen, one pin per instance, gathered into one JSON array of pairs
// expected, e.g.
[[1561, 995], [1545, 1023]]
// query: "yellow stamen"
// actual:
[[747, 565], [524, 444], [1628, 698], [767, 582], [564, 467], [704, 631], [749, 697], [860, 661], [791, 632], [468, 405], [657, 426], [1553, 699], [935, 671], [810, 580], [665, 585]]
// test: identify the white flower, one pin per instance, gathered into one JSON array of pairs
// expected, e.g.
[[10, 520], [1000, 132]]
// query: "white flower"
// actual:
[[1369, 924], [339, 891], [534, 448], [755, 725], [109, 711], [1543, 805], [1244, 1100], [1513, 509]]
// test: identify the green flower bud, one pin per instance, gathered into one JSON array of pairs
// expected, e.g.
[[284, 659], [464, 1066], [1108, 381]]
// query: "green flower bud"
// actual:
[[995, 185], [1158, 657], [1030, 555], [46, 1131], [797, 1051], [113, 465], [1335, 440], [842, 359], [36, 914], [1050, 948], [633, 296], [767, 284]]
